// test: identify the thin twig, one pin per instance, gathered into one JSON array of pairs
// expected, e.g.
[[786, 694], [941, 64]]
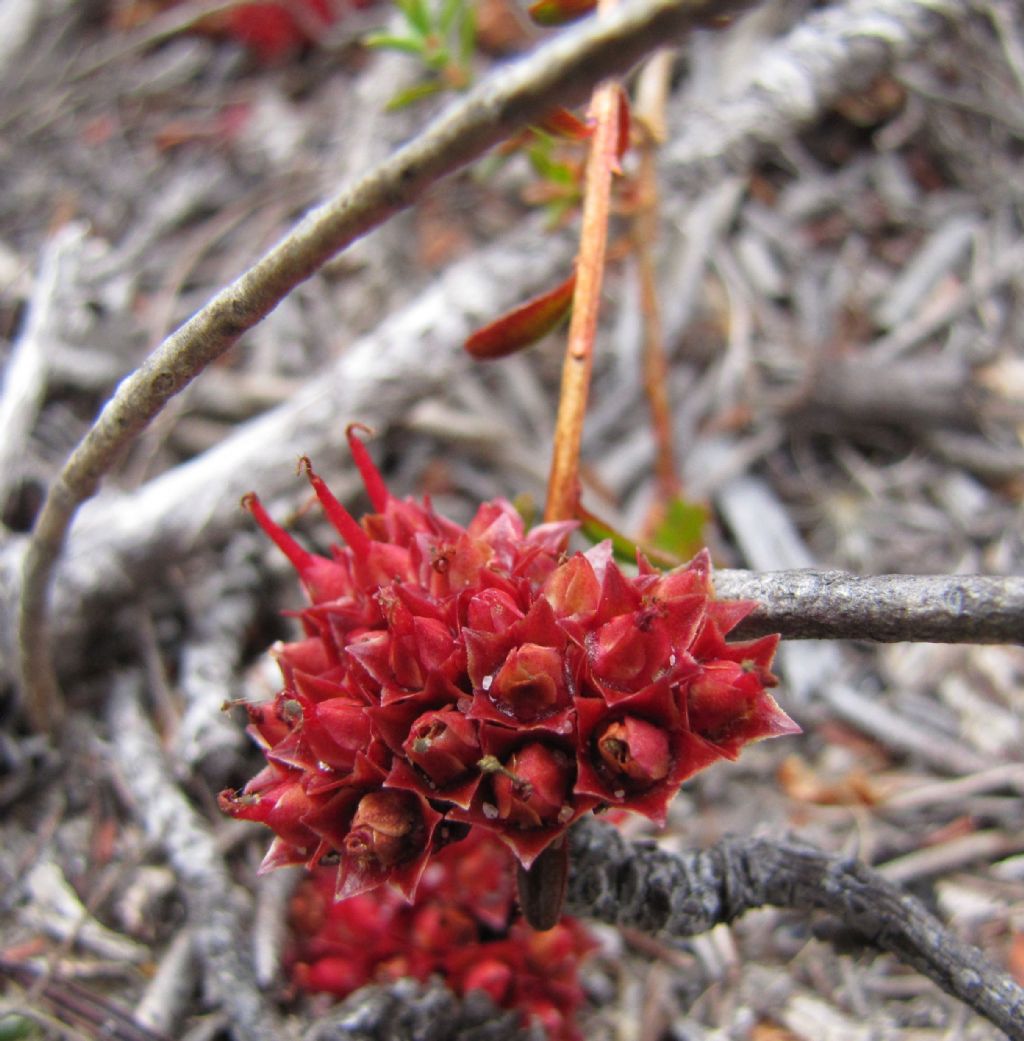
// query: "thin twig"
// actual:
[[831, 605], [561, 72], [682, 895]]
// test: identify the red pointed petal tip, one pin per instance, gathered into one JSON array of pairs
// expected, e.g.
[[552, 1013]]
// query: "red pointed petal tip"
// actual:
[[344, 523], [775, 721], [300, 558], [323, 579], [372, 480]]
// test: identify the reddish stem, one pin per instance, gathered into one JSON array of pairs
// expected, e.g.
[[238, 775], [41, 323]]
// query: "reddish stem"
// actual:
[[563, 481]]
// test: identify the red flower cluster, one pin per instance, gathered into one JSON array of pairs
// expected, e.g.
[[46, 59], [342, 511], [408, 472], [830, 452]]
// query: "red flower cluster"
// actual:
[[476, 676], [458, 928]]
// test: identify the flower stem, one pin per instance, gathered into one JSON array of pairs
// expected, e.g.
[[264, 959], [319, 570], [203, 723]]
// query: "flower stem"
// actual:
[[563, 480]]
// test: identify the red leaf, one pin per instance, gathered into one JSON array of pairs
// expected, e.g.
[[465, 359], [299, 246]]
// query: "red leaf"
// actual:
[[524, 325], [560, 122]]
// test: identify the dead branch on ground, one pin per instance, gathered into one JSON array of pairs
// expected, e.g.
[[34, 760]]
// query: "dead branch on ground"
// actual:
[[641, 886]]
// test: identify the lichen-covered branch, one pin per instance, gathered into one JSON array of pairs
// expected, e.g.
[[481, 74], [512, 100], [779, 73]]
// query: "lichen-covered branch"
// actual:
[[561, 72], [835, 605], [638, 885]]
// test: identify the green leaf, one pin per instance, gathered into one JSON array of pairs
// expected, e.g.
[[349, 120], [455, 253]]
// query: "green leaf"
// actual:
[[449, 13], [525, 505], [596, 531], [624, 548], [413, 94], [681, 533], [436, 60], [550, 169], [14, 1027], [467, 37], [557, 210], [558, 12], [408, 44], [417, 14]]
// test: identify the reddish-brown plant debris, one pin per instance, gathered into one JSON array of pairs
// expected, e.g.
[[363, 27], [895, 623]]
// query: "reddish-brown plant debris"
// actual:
[[459, 927], [478, 677], [273, 29]]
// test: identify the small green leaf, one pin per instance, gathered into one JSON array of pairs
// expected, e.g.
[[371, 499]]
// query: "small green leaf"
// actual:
[[417, 14], [414, 93], [436, 59], [548, 168], [15, 1028], [556, 211], [526, 507], [623, 547], [467, 37], [558, 12], [408, 44], [681, 533], [596, 531], [450, 11]]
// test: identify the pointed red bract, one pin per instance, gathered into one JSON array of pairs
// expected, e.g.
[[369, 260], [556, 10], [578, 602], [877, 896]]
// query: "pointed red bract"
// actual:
[[453, 677]]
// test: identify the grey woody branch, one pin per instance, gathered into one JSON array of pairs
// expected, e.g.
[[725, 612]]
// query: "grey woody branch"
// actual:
[[638, 885], [834, 605], [561, 72], [408, 1009]]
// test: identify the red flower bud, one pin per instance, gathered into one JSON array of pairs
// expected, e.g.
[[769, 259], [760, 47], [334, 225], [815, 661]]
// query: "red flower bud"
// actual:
[[531, 787], [385, 828], [444, 745], [337, 731], [635, 752], [495, 978], [438, 926], [574, 590], [338, 976], [728, 706], [531, 683], [492, 611]]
